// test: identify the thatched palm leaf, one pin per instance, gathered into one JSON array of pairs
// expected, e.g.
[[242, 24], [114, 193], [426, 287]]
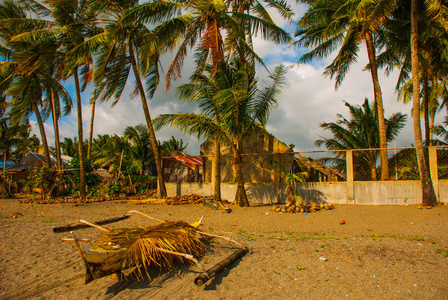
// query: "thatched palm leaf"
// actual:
[[143, 248]]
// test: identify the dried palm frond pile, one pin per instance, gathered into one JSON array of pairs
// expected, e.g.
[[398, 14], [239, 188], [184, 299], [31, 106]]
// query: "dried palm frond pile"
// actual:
[[190, 199], [161, 246], [141, 248], [185, 199]]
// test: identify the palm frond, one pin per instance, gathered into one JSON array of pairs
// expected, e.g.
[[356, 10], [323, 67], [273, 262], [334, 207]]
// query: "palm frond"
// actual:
[[143, 247]]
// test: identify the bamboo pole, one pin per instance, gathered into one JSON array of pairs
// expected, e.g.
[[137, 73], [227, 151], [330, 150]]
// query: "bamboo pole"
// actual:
[[81, 226], [210, 273]]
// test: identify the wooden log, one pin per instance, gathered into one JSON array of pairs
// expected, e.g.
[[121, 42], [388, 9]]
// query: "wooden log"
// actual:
[[81, 226], [203, 278]]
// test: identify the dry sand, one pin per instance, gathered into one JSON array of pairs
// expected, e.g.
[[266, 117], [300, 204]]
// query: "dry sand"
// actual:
[[382, 252]]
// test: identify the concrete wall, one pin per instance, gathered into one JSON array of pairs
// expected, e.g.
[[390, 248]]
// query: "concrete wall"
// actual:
[[364, 193]]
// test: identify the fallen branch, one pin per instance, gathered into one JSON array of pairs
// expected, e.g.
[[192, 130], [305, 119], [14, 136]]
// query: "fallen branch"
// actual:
[[81, 226]]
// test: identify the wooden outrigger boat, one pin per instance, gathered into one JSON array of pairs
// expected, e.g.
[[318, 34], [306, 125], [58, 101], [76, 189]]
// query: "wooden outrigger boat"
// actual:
[[142, 247]]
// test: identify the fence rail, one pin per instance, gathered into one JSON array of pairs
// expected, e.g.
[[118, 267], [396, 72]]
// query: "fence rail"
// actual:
[[365, 164]]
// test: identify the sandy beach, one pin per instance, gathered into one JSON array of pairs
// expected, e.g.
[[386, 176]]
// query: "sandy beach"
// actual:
[[382, 252]]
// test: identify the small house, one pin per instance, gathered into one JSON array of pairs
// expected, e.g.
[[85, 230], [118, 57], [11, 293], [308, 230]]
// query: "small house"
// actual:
[[181, 167]]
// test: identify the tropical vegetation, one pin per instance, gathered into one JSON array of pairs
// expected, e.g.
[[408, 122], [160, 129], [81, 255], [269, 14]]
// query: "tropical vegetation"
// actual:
[[243, 110], [102, 45], [396, 35], [360, 131]]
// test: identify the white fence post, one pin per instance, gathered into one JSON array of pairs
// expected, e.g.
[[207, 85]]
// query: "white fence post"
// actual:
[[433, 170]]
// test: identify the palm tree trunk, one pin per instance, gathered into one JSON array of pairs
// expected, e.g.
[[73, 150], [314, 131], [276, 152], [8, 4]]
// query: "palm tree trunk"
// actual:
[[238, 165], [216, 171], [42, 134], [379, 105], [82, 173], [373, 168], [428, 195], [4, 174], [426, 108], [161, 189], [92, 118], [216, 167], [56, 131]]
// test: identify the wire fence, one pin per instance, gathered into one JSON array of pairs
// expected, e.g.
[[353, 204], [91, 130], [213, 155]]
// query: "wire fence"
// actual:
[[327, 165], [442, 162], [402, 162]]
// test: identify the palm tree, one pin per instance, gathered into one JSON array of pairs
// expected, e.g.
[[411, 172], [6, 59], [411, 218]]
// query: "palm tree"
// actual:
[[405, 43], [432, 40], [71, 21], [92, 118], [22, 70], [428, 197], [442, 132], [69, 147], [202, 24], [110, 151], [360, 132], [140, 141], [245, 109], [121, 49], [434, 92], [172, 146], [202, 89], [329, 24]]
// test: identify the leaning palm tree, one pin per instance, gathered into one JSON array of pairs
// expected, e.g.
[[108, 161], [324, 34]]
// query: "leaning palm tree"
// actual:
[[120, 51], [329, 24], [244, 110], [21, 70], [70, 22], [360, 132]]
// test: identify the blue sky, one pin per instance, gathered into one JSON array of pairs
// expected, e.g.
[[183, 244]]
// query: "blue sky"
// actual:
[[308, 99]]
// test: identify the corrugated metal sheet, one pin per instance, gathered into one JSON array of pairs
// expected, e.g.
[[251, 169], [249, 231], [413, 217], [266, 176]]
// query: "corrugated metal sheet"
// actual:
[[189, 160]]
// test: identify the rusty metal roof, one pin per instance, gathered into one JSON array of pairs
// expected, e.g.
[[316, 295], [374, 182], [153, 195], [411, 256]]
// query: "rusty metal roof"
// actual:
[[188, 160]]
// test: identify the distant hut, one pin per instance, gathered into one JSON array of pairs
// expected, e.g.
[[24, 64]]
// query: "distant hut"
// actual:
[[35, 160], [181, 167], [17, 172]]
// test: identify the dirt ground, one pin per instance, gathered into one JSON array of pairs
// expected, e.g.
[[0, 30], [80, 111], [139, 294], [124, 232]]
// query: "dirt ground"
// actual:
[[382, 252]]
